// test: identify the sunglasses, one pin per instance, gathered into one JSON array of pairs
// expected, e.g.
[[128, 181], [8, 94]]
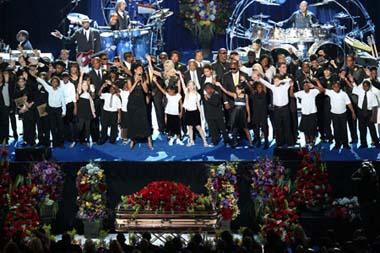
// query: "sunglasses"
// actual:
[[233, 69], [104, 59]]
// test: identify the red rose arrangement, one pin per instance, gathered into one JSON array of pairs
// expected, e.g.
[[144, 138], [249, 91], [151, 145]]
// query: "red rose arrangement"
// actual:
[[312, 188], [22, 220], [165, 196], [5, 179]]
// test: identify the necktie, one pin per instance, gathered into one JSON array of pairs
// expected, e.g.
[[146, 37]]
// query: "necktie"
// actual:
[[365, 103], [236, 79], [99, 74]]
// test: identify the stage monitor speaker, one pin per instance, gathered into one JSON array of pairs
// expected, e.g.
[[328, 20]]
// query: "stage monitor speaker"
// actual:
[[288, 154], [27, 154]]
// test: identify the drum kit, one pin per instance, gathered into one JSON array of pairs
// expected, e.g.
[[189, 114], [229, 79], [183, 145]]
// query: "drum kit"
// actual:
[[139, 38], [330, 37]]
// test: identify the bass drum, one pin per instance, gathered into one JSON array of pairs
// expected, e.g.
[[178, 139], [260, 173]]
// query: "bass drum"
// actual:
[[332, 49], [284, 49]]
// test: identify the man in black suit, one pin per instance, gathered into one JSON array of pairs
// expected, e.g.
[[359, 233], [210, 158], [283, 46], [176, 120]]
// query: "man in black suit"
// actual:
[[221, 65], [230, 80], [259, 50], [87, 38], [23, 39], [97, 77], [5, 108], [194, 74], [175, 57]]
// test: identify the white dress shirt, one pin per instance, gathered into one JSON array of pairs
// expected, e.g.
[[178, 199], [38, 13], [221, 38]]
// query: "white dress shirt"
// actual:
[[338, 100], [280, 93], [194, 78], [56, 97], [5, 92], [371, 98], [124, 94], [112, 102], [69, 91], [308, 105]]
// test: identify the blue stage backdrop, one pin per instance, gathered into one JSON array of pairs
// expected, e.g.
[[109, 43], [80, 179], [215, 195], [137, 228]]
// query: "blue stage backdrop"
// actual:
[[40, 17]]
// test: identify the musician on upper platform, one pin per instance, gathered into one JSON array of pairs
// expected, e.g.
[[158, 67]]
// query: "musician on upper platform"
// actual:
[[119, 18], [302, 18], [87, 38]]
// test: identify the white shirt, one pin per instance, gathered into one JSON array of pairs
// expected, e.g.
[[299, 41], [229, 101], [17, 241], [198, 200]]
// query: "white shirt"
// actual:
[[191, 101], [87, 34], [371, 98], [5, 92], [124, 94], [236, 78], [112, 103], [338, 101], [128, 65], [172, 106], [280, 93], [270, 72], [194, 78], [56, 97], [208, 79], [308, 105], [69, 91]]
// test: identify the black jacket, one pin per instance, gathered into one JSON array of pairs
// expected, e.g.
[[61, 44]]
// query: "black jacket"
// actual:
[[84, 45], [228, 84]]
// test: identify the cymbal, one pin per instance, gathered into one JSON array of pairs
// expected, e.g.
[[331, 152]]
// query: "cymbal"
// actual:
[[260, 16], [327, 26], [357, 44], [268, 2], [161, 14], [341, 15], [76, 18]]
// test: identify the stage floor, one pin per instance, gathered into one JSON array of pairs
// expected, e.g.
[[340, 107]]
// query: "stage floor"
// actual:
[[163, 152]]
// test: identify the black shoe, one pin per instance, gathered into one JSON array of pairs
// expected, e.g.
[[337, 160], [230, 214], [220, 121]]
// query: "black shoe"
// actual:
[[331, 141], [258, 144], [363, 146], [100, 143], [377, 145], [354, 141], [266, 145], [346, 146]]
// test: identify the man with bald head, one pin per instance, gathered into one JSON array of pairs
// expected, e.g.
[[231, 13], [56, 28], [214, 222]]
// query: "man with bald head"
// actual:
[[301, 19]]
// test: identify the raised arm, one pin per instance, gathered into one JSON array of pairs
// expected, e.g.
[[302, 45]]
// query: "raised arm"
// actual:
[[158, 85], [231, 94], [266, 83], [47, 87], [248, 109]]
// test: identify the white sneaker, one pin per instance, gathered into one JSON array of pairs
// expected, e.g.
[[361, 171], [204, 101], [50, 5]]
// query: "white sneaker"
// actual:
[[206, 145], [171, 141], [72, 144], [189, 144], [179, 142], [89, 144]]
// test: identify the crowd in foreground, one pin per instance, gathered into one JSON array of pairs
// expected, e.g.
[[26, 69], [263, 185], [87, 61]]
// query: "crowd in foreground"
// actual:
[[227, 100], [225, 243]]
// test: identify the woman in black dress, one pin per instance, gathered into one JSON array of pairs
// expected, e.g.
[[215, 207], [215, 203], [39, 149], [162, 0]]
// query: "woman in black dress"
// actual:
[[260, 114], [138, 120]]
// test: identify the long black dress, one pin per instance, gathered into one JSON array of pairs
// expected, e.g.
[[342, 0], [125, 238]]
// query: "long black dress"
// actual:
[[138, 123]]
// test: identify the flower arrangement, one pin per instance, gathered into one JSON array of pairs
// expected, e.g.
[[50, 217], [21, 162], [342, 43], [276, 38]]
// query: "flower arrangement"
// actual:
[[345, 209], [92, 189], [22, 220], [48, 178], [312, 188], [165, 196], [5, 179], [222, 188], [205, 18]]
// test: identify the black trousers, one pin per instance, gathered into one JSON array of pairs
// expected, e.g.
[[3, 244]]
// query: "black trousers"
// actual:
[[43, 127], [12, 117], [215, 127], [352, 124], [340, 128], [160, 112], [83, 130], [282, 125], [364, 123], [263, 126], [29, 126], [293, 118], [324, 116], [56, 125], [68, 120], [109, 119], [95, 122], [4, 124]]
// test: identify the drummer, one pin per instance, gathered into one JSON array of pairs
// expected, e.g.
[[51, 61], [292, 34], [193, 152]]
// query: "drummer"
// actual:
[[119, 18], [301, 18]]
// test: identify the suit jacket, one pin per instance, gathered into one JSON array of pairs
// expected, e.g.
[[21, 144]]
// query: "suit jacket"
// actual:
[[187, 77], [228, 84], [122, 22], [84, 45], [214, 106], [263, 52], [220, 69], [96, 81], [26, 45]]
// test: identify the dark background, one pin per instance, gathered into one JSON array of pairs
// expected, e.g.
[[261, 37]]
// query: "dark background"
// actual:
[[40, 17]]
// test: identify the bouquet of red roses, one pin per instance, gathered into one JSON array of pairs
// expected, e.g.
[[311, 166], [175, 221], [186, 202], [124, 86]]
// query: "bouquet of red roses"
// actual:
[[5, 179], [165, 196], [312, 186], [22, 220]]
